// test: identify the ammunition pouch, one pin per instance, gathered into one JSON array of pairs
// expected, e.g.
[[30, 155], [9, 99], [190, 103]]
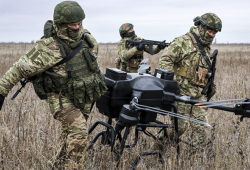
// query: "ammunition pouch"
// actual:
[[86, 90], [196, 75], [80, 91], [48, 82], [135, 61], [91, 60], [84, 84]]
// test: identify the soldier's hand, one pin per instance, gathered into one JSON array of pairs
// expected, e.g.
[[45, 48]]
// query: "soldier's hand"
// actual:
[[1, 101], [161, 46], [140, 47]]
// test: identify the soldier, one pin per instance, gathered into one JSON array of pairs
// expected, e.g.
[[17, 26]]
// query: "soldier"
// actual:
[[185, 59], [63, 69], [130, 58]]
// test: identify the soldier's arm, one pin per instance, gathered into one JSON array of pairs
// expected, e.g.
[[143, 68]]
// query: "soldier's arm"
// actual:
[[172, 54], [42, 56], [155, 49], [124, 53], [95, 49]]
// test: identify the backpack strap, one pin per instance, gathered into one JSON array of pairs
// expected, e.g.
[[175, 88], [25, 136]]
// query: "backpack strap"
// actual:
[[72, 54], [203, 52]]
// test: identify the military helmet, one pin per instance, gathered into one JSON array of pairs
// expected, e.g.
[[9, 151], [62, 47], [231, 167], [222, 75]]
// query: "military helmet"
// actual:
[[68, 12], [125, 28], [210, 20]]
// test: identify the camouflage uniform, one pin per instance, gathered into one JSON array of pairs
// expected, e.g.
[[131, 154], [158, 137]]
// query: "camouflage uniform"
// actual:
[[183, 57], [130, 58], [72, 106]]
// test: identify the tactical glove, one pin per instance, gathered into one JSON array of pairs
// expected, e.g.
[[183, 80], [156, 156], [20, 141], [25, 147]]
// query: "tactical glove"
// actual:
[[140, 47], [161, 46], [1, 101], [211, 93]]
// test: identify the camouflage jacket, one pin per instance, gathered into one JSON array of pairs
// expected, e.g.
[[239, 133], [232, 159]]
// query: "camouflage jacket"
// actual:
[[183, 57], [130, 58], [43, 55]]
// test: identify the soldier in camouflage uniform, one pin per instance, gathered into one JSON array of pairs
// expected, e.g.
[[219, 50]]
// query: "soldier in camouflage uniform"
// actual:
[[184, 58], [70, 87], [130, 58]]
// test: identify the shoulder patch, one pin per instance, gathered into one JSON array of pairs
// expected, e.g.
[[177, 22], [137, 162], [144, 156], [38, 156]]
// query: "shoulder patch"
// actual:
[[32, 53]]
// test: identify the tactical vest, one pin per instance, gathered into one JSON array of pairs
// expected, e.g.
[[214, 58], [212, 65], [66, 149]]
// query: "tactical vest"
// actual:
[[196, 72], [132, 64], [84, 84]]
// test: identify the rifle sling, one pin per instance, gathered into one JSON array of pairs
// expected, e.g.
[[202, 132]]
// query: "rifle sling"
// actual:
[[203, 52], [73, 53]]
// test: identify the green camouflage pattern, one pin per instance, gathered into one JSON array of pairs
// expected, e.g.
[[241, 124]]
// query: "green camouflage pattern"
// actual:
[[74, 130], [213, 21], [95, 49], [68, 12], [208, 21], [183, 52], [125, 28], [205, 38], [87, 83], [125, 55], [62, 33], [41, 57], [37, 60]]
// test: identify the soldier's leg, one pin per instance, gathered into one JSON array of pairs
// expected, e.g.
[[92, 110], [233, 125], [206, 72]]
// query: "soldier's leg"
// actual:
[[196, 134], [198, 131], [183, 109], [74, 130]]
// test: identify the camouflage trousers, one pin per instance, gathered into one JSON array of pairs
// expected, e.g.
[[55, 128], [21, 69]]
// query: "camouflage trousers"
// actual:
[[194, 133], [74, 131]]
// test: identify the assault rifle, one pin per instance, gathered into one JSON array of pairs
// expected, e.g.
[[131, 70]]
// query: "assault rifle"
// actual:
[[23, 83], [149, 43], [210, 75]]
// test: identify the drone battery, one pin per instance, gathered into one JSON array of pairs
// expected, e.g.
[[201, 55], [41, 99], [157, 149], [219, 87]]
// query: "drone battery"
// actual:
[[115, 74], [164, 74]]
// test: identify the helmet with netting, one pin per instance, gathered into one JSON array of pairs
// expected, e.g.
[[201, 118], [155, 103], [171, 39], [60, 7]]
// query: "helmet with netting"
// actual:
[[68, 12], [209, 20]]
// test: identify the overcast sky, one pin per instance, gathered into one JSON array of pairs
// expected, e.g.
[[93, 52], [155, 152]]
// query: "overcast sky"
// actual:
[[23, 20]]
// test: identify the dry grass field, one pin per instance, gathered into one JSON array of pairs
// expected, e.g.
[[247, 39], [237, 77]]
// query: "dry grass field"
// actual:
[[29, 134]]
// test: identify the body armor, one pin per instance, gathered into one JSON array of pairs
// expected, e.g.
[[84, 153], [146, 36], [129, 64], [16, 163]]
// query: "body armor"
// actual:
[[196, 71], [84, 83]]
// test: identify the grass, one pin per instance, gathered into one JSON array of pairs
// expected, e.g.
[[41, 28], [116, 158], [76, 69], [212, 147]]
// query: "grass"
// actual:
[[29, 134]]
